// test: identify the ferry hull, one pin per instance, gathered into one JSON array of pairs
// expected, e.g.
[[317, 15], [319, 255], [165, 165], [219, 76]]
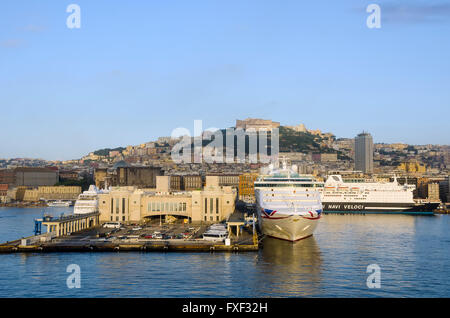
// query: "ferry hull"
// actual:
[[290, 228], [378, 207]]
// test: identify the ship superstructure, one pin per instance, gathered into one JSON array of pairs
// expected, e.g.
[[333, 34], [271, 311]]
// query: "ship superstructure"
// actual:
[[338, 194]]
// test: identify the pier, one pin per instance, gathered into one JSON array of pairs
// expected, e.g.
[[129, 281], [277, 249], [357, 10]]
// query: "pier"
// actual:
[[83, 234], [64, 225]]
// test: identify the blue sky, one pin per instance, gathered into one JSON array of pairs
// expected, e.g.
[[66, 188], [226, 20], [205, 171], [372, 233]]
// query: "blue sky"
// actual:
[[136, 70]]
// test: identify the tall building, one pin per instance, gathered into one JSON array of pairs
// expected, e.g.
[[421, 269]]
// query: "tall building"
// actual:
[[364, 153]]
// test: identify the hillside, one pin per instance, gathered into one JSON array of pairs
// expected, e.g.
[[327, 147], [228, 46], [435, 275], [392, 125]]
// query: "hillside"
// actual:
[[105, 151]]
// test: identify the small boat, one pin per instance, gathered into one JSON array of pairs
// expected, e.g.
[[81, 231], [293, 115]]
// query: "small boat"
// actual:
[[216, 232]]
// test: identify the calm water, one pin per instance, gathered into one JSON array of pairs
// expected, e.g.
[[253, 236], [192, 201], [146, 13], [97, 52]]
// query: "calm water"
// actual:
[[412, 251]]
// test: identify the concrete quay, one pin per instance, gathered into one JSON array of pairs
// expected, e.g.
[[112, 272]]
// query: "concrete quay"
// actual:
[[136, 237]]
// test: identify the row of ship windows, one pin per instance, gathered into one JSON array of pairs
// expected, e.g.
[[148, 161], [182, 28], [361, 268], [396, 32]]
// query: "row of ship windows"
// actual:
[[340, 195], [288, 185], [288, 196]]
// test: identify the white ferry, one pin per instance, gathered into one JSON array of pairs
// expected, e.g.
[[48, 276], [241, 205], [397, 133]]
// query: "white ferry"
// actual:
[[288, 205], [87, 201], [340, 195], [59, 203]]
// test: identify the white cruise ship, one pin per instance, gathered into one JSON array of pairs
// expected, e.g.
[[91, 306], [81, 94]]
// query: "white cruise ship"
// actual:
[[288, 205], [87, 201], [386, 197]]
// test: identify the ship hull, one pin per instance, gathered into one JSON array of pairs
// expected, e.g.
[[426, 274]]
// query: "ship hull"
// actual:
[[378, 207], [291, 228]]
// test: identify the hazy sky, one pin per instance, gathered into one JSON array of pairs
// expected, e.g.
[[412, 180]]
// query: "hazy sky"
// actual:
[[136, 70]]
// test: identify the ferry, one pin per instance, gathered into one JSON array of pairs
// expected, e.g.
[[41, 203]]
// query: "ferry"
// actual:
[[382, 197], [87, 201], [59, 203], [288, 205]]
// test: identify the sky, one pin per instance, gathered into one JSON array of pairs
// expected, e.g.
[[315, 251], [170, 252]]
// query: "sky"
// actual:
[[136, 70]]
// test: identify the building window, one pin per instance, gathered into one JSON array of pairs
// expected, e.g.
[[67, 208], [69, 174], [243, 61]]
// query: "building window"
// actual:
[[211, 202], [123, 218], [206, 206], [184, 206], [217, 205]]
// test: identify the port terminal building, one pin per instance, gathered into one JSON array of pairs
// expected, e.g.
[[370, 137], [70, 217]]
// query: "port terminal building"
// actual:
[[210, 204]]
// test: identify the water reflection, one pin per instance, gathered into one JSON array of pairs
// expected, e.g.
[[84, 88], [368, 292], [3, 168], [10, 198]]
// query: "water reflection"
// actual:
[[412, 252], [291, 269]]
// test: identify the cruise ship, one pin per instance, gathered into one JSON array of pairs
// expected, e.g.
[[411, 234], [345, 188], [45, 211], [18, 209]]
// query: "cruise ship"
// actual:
[[87, 201], [288, 205], [382, 197]]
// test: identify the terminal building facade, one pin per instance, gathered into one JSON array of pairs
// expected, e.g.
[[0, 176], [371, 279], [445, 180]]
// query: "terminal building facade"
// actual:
[[212, 203]]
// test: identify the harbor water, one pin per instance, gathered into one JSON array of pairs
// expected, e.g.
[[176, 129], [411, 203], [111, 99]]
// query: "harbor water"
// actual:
[[412, 253]]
